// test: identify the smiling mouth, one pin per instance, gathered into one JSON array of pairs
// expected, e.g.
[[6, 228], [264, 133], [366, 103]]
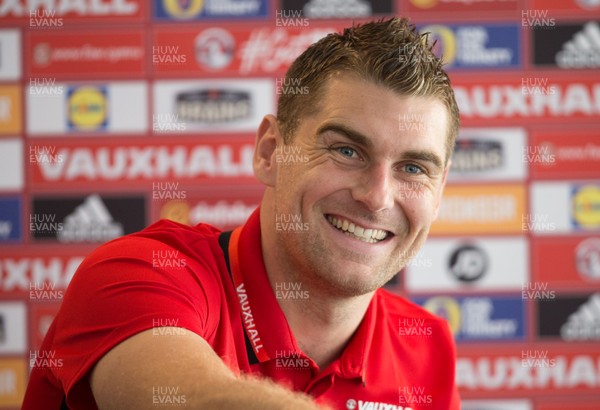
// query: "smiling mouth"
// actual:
[[356, 231]]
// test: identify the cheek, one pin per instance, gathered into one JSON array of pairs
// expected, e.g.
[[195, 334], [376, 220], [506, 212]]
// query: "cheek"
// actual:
[[419, 211], [300, 187], [320, 184]]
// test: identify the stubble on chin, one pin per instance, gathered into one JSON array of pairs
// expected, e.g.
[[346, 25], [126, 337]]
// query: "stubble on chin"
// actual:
[[342, 275]]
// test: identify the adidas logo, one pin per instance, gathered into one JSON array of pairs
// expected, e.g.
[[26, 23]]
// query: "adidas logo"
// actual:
[[583, 50], [90, 222], [584, 323]]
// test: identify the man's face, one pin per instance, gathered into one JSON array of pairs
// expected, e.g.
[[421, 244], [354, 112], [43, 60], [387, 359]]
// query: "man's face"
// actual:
[[364, 178]]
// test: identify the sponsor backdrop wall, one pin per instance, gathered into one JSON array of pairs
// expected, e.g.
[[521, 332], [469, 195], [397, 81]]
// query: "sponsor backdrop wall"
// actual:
[[115, 113]]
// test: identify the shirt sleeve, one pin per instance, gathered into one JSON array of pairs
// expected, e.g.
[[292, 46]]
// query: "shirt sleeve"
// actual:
[[125, 287]]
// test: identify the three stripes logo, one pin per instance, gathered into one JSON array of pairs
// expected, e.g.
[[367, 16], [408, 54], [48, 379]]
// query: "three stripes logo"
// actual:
[[90, 222], [568, 46], [584, 323], [85, 219], [583, 50]]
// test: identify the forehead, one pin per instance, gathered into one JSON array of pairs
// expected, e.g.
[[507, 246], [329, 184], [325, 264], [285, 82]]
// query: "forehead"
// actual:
[[381, 114]]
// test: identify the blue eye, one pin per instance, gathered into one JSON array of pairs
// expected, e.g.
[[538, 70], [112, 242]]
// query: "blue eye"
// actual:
[[413, 169], [346, 151]]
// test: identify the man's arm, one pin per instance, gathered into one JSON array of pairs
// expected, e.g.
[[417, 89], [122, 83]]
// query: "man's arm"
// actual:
[[180, 367]]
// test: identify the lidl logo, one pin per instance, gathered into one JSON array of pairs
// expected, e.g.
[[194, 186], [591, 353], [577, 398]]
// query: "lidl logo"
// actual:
[[586, 207], [87, 108], [183, 10]]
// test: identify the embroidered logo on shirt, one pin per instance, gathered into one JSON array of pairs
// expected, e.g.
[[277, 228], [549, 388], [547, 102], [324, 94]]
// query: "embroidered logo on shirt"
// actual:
[[352, 404]]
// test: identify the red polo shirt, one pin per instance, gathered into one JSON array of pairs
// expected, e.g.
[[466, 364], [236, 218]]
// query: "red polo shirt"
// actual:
[[401, 357]]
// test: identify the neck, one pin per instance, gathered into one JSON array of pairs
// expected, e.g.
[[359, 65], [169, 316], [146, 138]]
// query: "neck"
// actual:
[[322, 322], [323, 327]]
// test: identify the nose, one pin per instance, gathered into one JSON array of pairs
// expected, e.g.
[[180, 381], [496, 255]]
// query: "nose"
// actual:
[[375, 189]]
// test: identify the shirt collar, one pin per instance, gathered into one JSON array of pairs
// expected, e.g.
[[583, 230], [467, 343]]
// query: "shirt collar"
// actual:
[[273, 329]]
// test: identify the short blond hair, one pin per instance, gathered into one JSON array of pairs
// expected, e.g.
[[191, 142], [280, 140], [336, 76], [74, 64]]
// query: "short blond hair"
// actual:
[[389, 52]]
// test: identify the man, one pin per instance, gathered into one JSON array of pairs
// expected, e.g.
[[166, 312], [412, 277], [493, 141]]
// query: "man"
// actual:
[[219, 325]]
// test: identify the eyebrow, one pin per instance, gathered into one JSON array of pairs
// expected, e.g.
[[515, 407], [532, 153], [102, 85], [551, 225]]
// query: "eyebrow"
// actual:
[[425, 156], [349, 133], [363, 140]]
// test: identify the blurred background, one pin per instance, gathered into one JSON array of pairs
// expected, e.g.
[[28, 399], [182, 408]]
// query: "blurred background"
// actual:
[[116, 113]]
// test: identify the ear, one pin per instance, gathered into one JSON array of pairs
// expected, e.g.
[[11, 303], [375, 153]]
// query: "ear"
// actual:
[[440, 194], [263, 161]]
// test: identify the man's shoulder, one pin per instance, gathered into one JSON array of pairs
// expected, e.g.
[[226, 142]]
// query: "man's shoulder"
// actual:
[[169, 231], [162, 236]]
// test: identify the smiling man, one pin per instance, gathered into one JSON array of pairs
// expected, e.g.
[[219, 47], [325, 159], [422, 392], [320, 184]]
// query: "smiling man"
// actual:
[[285, 311]]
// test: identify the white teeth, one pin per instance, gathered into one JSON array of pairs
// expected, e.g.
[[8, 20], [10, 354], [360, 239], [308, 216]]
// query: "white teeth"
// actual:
[[364, 234]]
